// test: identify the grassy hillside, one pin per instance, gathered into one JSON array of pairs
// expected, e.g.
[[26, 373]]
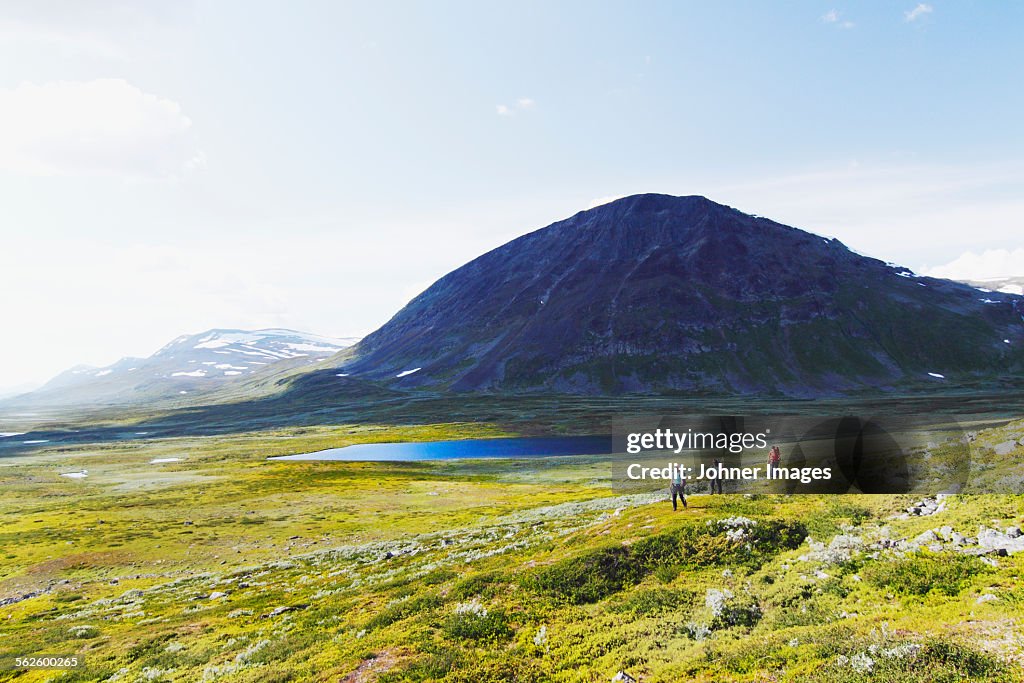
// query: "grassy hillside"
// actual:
[[225, 566]]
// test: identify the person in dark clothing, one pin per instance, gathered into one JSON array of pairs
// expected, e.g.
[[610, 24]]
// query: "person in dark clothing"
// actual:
[[678, 488], [717, 481]]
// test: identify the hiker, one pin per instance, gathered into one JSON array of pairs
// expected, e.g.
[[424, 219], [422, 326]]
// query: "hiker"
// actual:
[[774, 457], [717, 481], [678, 487]]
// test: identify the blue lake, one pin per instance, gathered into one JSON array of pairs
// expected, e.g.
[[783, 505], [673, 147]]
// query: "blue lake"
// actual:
[[517, 447]]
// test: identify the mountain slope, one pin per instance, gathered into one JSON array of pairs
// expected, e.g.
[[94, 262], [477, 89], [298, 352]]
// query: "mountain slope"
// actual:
[[199, 363], [655, 293]]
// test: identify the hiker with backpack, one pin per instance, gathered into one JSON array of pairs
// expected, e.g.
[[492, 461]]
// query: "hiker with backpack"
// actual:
[[774, 458], [678, 487]]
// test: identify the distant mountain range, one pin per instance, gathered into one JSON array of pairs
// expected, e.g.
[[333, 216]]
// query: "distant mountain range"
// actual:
[[646, 294], [1002, 285], [655, 293], [191, 364]]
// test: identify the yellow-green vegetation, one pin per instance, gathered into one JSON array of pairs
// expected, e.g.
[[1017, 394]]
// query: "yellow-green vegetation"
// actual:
[[225, 566]]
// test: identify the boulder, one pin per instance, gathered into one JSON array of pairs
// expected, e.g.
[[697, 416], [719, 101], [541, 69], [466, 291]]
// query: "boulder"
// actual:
[[1005, 448], [925, 538]]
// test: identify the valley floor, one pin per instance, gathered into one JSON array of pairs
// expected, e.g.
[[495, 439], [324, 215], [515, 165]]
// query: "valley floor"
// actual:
[[197, 559]]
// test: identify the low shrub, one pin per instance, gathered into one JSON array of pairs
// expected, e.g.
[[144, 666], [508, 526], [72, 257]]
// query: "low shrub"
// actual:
[[403, 610], [935, 661], [587, 577], [484, 585], [597, 574], [487, 625], [857, 514], [434, 665], [438, 576], [923, 573], [654, 601]]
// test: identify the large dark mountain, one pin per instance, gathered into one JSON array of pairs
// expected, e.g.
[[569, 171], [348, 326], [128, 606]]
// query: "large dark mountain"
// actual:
[[661, 293]]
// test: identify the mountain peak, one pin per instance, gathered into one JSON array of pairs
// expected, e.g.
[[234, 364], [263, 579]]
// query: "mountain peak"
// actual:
[[650, 204], [657, 201]]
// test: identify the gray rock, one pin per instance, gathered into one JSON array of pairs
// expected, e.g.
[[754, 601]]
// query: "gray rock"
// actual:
[[926, 538], [1005, 448], [281, 610], [990, 539], [1013, 532]]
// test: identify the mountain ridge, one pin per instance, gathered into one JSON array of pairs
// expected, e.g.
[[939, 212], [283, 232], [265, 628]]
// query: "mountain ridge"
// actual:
[[189, 364]]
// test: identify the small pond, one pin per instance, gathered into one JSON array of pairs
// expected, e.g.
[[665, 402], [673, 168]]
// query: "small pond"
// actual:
[[515, 447]]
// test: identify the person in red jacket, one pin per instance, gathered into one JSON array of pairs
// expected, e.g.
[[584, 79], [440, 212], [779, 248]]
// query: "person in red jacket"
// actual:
[[774, 458]]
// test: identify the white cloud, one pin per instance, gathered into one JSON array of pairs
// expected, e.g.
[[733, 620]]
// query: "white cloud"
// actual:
[[99, 127], [833, 17], [989, 264], [521, 104], [918, 12]]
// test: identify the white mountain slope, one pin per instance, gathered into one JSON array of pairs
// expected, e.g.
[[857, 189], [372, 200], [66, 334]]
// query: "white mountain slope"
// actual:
[[190, 364]]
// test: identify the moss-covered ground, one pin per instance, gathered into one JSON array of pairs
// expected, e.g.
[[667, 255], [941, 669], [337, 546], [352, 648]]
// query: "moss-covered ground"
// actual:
[[223, 565]]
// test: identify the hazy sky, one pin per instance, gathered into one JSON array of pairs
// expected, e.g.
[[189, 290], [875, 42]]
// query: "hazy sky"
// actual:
[[171, 167]]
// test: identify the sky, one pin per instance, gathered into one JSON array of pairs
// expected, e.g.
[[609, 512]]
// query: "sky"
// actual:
[[167, 168]]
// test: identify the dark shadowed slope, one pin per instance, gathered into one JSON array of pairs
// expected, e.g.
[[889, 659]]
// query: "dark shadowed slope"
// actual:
[[656, 293]]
